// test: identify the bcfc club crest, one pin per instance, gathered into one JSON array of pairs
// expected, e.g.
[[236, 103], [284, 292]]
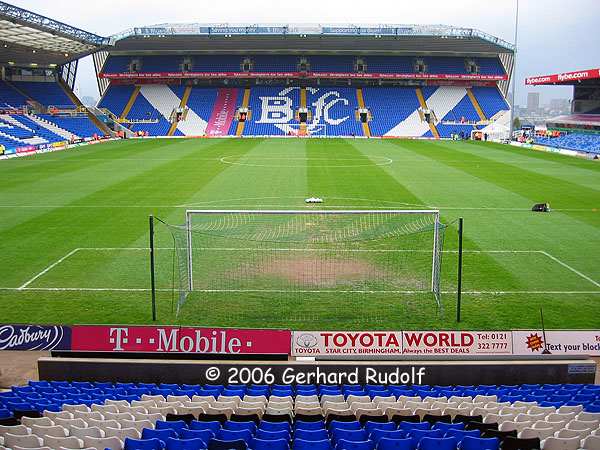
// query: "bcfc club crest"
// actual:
[[279, 110]]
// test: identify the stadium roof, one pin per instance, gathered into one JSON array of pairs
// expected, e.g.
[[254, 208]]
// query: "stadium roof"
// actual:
[[296, 38], [567, 78], [29, 39]]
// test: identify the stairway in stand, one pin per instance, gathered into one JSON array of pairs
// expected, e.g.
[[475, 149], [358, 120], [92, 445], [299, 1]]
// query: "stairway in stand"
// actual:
[[303, 102], [245, 102], [361, 105], [423, 104], [476, 104], [130, 103]]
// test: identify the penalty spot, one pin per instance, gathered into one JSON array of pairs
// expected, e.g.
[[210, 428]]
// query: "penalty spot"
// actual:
[[313, 200]]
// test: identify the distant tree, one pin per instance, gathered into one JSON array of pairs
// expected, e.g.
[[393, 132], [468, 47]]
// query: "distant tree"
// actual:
[[517, 123]]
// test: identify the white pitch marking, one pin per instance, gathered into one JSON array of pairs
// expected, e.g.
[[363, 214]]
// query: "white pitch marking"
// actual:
[[51, 266], [75, 289], [79, 289], [232, 249], [385, 162], [572, 269], [71, 253], [279, 205]]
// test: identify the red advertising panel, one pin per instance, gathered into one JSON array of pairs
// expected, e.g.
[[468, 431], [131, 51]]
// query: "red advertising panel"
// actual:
[[180, 340], [397, 76], [564, 78]]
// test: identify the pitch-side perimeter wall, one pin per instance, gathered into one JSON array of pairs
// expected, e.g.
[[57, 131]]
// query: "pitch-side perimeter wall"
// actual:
[[350, 344]]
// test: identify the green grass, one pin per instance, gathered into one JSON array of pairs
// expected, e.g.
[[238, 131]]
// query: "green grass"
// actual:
[[98, 199]]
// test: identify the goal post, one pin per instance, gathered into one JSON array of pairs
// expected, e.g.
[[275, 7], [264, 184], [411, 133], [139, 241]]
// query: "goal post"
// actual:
[[283, 254]]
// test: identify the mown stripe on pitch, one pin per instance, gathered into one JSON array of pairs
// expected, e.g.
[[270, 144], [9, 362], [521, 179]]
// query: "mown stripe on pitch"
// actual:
[[43, 238], [376, 182]]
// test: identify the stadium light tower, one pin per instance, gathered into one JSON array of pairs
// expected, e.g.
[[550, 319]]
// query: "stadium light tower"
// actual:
[[514, 74]]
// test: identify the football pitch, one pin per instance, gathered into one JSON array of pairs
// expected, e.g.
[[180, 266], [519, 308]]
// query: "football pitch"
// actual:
[[74, 230]]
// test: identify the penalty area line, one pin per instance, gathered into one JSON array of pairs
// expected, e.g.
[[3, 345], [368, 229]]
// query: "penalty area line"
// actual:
[[572, 269], [216, 291], [47, 269]]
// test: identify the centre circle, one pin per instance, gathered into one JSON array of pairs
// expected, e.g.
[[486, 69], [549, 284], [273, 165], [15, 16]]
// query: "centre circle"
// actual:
[[284, 161]]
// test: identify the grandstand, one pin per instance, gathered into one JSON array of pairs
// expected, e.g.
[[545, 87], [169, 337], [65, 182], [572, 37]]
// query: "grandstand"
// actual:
[[38, 109], [154, 85], [580, 130]]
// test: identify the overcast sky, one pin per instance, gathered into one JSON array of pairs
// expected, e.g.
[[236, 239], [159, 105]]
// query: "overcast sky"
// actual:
[[554, 35]]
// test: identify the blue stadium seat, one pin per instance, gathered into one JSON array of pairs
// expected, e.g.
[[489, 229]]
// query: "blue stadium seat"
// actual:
[[163, 435], [474, 443], [213, 426], [274, 426], [337, 425], [408, 426], [317, 425], [176, 425], [396, 444], [349, 435], [416, 435], [270, 444], [461, 434], [204, 435], [377, 435], [143, 444], [185, 444], [217, 444], [432, 443], [448, 426], [301, 444], [229, 435], [344, 444], [311, 435], [371, 426], [236, 426], [273, 435]]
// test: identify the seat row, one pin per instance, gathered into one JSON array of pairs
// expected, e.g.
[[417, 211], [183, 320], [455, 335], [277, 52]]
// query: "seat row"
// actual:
[[181, 438], [26, 401], [278, 389]]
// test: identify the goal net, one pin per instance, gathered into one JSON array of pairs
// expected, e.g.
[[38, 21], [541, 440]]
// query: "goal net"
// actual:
[[289, 255]]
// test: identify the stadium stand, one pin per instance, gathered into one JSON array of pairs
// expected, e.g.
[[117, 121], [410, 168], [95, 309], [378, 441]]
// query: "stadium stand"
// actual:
[[9, 97], [272, 111], [143, 109], [116, 97], [490, 99], [79, 125], [332, 109], [37, 122], [59, 414], [46, 93], [390, 106], [586, 142]]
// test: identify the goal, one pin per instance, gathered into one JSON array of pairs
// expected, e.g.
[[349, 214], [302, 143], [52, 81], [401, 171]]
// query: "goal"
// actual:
[[285, 255]]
